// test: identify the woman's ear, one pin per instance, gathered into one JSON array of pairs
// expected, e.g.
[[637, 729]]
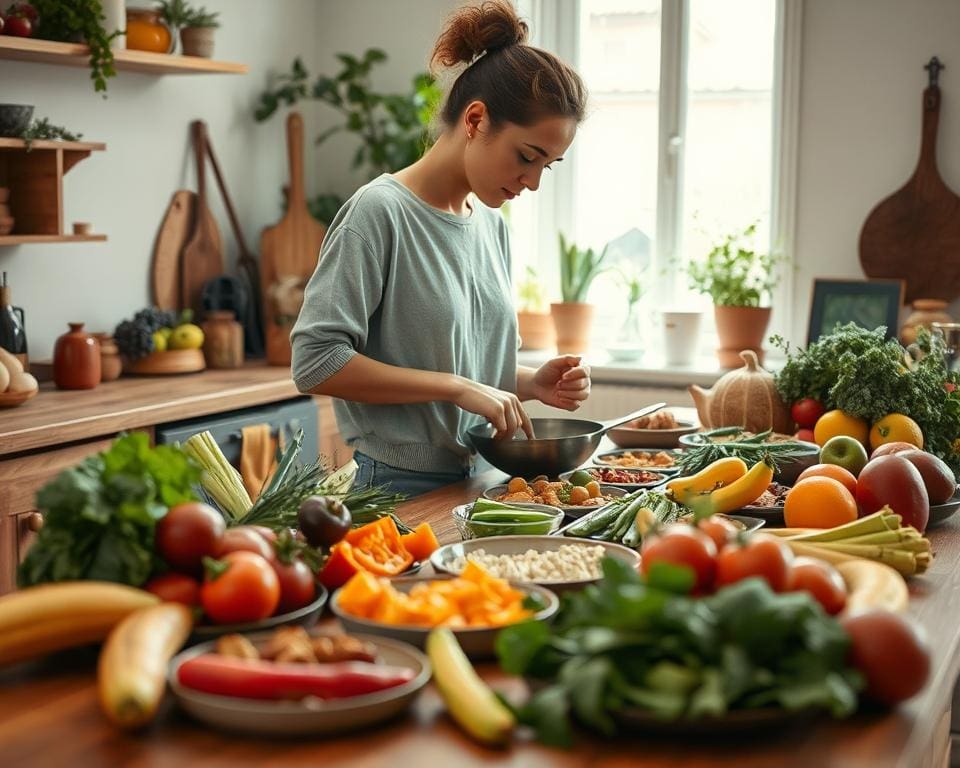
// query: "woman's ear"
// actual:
[[474, 116]]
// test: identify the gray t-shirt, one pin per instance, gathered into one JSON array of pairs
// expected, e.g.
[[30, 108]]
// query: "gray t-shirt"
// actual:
[[409, 285]]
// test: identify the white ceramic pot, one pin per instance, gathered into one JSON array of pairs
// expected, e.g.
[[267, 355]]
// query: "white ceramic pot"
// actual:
[[681, 335]]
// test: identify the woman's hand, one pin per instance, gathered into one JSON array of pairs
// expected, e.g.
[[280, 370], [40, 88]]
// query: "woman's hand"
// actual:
[[563, 382], [502, 409]]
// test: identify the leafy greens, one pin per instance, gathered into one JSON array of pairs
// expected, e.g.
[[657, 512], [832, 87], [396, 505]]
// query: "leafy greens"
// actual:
[[623, 643]]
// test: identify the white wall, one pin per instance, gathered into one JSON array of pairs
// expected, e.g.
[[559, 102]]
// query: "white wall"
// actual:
[[861, 95]]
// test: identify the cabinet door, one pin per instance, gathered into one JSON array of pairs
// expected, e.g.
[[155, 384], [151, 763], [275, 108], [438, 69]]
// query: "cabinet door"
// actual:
[[20, 478]]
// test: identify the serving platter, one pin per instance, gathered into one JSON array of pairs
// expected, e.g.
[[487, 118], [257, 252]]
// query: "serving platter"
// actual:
[[305, 617], [661, 477], [610, 459], [310, 717], [631, 437]]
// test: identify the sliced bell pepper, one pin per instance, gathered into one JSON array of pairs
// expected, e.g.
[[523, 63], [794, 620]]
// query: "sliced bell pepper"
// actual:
[[340, 566], [421, 542], [377, 548]]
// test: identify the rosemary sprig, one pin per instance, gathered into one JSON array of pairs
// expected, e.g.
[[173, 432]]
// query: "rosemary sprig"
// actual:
[[692, 460]]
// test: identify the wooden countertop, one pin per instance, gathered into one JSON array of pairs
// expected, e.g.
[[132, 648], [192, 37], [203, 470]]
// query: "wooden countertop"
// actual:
[[49, 713], [61, 416]]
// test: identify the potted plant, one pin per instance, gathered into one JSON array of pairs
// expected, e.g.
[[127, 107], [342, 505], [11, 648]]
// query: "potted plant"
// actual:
[[533, 316], [196, 26], [739, 279], [628, 344], [572, 317]]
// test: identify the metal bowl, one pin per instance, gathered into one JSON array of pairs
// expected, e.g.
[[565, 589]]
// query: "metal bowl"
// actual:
[[14, 119]]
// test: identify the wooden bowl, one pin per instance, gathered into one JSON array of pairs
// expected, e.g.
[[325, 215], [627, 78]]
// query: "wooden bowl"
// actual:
[[13, 399], [173, 361]]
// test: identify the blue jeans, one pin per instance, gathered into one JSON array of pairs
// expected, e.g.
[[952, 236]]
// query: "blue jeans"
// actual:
[[395, 480]]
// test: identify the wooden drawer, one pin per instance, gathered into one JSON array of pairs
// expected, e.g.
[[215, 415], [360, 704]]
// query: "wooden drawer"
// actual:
[[20, 478]]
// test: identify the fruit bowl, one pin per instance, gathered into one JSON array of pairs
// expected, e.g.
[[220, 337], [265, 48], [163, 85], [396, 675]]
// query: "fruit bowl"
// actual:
[[13, 399], [172, 361]]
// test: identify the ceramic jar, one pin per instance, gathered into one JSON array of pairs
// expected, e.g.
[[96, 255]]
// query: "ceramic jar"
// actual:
[[222, 340], [146, 31], [925, 312], [111, 364], [76, 359], [197, 41]]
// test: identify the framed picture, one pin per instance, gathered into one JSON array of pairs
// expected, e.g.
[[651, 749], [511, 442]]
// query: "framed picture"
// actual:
[[868, 303]]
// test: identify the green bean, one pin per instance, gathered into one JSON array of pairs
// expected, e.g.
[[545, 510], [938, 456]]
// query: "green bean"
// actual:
[[598, 519]]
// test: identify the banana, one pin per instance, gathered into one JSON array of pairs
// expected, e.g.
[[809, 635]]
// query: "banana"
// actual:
[[51, 617], [469, 700], [872, 585], [131, 675]]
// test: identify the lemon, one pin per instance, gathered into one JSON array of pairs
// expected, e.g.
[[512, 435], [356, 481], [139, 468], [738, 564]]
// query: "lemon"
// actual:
[[186, 336], [159, 342]]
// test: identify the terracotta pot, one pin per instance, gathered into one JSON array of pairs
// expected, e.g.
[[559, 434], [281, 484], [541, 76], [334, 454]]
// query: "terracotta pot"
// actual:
[[572, 320], [925, 312], [111, 364], [147, 32], [222, 340], [740, 328], [76, 359], [197, 41], [536, 330]]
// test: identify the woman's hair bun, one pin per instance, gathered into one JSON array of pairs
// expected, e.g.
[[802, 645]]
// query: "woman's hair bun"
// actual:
[[475, 29]]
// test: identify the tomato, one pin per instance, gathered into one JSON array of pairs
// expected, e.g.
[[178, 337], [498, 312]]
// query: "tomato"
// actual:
[[719, 529], [806, 435], [762, 555], [175, 588], [18, 26], [188, 533], [297, 584], [25, 10], [683, 545], [821, 580], [806, 412], [890, 652], [268, 533], [243, 538], [243, 587]]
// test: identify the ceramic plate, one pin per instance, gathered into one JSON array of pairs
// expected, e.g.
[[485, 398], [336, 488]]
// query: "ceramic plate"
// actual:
[[310, 717], [305, 617], [629, 437], [571, 511], [940, 512], [477, 642], [443, 559], [609, 459], [661, 477]]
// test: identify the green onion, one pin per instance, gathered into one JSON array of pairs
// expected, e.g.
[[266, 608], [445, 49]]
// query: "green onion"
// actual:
[[219, 478]]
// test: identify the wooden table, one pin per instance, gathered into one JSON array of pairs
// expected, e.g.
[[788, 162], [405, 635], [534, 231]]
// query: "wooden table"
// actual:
[[49, 714]]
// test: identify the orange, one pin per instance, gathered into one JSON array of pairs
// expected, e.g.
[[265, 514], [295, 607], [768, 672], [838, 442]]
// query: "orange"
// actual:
[[836, 422], [896, 428], [819, 502], [843, 476]]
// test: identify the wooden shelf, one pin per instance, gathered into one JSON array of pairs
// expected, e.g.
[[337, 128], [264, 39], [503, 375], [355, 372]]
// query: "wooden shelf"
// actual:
[[77, 55], [67, 146], [31, 239]]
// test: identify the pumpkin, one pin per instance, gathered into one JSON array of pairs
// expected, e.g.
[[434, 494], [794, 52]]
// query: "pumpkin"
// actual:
[[745, 397]]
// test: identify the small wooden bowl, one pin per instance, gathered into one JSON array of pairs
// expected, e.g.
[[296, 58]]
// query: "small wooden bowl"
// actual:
[[171, 362], [82, 227], [13, 399]]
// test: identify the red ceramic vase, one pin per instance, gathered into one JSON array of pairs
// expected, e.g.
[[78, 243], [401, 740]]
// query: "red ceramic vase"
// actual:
[[76, 359]]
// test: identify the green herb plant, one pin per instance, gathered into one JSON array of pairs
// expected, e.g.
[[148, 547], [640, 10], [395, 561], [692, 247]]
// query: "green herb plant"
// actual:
[[179, 14], [734, 274], [42, 128], [868, 376], [530, 292], [578, 269], [79, 20], [100, 516], [392, 128], [624, 644]]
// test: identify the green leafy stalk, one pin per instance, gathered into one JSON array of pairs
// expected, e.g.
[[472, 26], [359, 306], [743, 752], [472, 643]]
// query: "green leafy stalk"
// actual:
[[83, 20], [578, 269]]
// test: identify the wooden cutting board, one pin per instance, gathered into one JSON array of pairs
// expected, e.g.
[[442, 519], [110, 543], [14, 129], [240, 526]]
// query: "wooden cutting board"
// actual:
[[174, 230], [202, 257], [288, 254], [914, 234]]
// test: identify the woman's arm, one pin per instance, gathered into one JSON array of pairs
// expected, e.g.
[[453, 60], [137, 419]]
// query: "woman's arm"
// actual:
[[365, 380]]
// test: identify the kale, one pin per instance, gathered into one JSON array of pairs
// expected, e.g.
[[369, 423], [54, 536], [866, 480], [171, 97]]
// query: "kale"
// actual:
[[100, 516], [865, 375]]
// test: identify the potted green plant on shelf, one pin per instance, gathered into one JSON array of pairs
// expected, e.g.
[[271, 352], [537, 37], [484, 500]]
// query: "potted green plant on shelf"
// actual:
[[573, 316], [739, 278], [196, 26], [628, 343], [534, 322]]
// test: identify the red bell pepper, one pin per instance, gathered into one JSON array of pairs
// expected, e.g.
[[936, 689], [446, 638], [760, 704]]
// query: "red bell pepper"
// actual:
[[339, 567], [259, 679], [377, 548]]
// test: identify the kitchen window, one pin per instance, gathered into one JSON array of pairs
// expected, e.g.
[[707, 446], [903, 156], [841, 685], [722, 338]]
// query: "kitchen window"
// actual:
[[690, 136]]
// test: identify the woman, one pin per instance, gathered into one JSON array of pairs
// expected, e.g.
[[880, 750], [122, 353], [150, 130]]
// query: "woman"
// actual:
[[408, 319]]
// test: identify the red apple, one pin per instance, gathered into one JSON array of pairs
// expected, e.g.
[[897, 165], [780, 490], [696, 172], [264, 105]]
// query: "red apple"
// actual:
[[888, 449], [894, 482]]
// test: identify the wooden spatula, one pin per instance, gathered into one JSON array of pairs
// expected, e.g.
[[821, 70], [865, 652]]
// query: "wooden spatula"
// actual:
[[202, 257]]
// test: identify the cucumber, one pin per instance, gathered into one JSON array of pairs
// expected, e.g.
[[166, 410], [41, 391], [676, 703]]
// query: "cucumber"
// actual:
[[512, 516]]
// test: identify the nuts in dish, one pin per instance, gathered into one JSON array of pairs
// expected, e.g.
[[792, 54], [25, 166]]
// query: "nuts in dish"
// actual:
[[555, 494], [571, 562]]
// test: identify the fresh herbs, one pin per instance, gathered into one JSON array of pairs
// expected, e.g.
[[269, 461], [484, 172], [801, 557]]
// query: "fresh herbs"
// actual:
[[622, 644], [867, 376], [100, 516], [80, 19], [750, 449], [179, 14], [44, 129], [734, 274]]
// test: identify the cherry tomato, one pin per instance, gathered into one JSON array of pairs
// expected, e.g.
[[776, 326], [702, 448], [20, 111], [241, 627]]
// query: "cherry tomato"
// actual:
[[762, 555], [246, 589], [806, 412], [243, 538], [719, 529], [683, 545], [188, 533], [18, 26], [175, 588], [297, 584], [890, 652], [821, 580]]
